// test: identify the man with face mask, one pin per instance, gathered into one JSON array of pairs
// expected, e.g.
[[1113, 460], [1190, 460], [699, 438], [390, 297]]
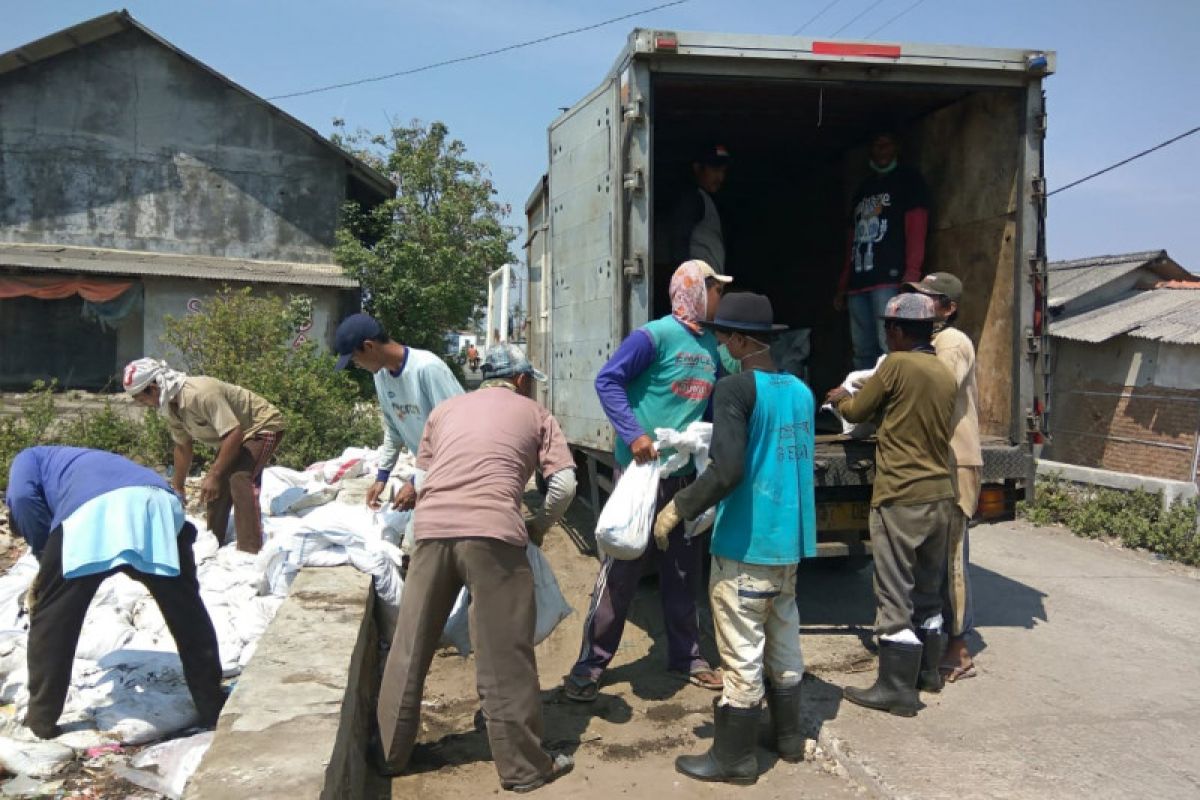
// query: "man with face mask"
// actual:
[[887, 246], [695, 225], [662, 376], [761, 480]]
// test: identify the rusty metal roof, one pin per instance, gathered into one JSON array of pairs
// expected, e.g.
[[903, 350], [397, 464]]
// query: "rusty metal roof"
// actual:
[[1165, 315], [105, 25], [1070, 280], [95, 260]]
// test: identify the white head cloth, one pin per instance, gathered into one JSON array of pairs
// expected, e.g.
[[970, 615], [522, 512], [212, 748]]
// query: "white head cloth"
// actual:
[[145, 371]]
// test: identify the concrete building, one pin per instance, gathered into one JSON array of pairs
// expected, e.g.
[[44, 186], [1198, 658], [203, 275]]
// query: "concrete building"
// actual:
[[134, 182], [1125, 379]]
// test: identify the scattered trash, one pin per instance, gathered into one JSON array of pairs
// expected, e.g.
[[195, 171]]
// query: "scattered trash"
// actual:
[[37, 758], [173, 763]]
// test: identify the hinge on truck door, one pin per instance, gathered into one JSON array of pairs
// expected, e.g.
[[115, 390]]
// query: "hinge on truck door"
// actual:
[[1033, 342], [635, 111], [633, 266], [635, 181], [1038, 187]]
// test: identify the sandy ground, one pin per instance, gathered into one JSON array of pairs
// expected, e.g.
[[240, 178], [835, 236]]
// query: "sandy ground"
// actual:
[[625, 743]]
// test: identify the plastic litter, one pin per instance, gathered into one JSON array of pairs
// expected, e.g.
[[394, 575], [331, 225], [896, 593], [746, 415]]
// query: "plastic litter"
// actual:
[[165, 768], [39, 759]]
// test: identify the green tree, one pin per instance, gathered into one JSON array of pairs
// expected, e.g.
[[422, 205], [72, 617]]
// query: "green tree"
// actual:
[[423, 257]]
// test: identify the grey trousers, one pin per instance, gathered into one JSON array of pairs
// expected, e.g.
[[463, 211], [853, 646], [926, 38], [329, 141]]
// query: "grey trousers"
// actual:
[[909, 544], [502, 616]]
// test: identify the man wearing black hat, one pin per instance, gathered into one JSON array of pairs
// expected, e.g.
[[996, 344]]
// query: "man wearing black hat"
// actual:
[[409, 383], [695, 226], [761, 480], [954, 349], [912, 502]]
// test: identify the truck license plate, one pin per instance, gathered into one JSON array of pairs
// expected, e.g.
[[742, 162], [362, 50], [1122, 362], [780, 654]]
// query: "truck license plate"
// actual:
[[842, 516]]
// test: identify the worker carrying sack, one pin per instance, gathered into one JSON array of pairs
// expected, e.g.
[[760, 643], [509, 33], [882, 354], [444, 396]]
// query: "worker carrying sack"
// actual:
[[623, 530]]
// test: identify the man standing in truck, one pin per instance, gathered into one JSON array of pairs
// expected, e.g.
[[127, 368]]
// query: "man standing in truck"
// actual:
[[662, 376], [955, 350], [695, 226], [912, 503], [890, 218]]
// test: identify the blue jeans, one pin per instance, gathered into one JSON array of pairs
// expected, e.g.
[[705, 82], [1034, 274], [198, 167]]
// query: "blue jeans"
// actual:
[[866, 325]]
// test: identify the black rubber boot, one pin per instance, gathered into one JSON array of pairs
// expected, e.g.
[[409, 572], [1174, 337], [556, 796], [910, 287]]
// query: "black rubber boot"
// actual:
[[895, 690], [787, 738], [930, 677], [731, 758]]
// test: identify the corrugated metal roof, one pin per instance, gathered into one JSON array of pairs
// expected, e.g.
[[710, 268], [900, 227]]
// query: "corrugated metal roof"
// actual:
[[1069, 280], [1166, 315], [61, 258], [115, 22]]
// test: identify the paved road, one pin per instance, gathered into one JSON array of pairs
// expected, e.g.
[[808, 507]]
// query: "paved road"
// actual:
[[1089, 680]]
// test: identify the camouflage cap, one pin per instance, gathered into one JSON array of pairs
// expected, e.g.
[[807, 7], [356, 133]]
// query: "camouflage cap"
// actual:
[[911, 307]]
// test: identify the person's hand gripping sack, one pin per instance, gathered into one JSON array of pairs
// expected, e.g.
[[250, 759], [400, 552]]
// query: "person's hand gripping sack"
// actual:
[[666, 521]]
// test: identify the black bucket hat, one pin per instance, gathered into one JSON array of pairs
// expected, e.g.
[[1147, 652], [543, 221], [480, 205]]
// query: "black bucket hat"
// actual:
[[745, 312]]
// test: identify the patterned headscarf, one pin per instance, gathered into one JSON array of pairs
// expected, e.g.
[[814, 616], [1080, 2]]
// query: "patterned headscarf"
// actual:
[[141, 373], [689, 296]]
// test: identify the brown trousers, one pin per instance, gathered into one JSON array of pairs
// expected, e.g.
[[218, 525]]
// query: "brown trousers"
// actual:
[[908, 544], [502, 616], [239, 492]]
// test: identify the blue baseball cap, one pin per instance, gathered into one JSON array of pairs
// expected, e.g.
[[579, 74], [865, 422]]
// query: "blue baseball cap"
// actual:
[[351, 333], [506, 360]]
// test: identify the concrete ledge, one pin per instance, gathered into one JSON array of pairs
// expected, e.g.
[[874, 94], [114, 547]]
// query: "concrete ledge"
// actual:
[[1171, 490], [296, 725]]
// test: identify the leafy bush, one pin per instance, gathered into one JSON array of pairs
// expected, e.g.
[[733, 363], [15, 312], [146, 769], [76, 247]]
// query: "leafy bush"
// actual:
[[248, 340], [145, 440], [1136, 518]]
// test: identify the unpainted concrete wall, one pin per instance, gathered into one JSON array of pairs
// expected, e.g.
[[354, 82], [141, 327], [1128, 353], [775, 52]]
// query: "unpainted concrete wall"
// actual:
[[122, 143], [178, 297]]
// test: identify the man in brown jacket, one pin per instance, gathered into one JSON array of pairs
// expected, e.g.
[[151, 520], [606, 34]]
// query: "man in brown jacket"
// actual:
[[243, 428]]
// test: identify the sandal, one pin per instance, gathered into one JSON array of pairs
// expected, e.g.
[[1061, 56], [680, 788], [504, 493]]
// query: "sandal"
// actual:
[[581, 689], [953, 674], [705, 677]]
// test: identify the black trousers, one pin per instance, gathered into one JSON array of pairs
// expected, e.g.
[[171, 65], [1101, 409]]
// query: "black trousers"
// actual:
[[60, 606]]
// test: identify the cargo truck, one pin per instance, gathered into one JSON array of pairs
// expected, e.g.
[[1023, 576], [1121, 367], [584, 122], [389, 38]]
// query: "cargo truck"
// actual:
[[797, 116]]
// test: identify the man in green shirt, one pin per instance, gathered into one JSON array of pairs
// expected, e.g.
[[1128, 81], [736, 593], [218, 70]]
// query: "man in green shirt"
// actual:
[[912, 503]]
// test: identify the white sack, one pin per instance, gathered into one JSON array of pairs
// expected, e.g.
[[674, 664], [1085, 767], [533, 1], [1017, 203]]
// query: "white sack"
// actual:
[[172, 763], [853, 382], [148, 697], [623, 530], [552, 608], [694, 443], [39, 759]]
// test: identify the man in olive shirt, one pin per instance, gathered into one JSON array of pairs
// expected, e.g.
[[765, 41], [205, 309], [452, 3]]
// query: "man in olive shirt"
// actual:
[[243, 427], [912, 503]]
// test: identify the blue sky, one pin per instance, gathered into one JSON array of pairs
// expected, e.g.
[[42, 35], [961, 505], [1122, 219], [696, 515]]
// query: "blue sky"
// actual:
[[1126, 79]]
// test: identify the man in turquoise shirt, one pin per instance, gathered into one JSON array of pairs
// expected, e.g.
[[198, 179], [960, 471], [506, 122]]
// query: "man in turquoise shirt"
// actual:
[[761, 480]]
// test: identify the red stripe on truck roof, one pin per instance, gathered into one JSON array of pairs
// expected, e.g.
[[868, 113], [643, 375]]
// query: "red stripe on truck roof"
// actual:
[[851, 49]]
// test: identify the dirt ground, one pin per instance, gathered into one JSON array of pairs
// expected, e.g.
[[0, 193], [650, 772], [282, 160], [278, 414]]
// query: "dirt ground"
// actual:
[[625, 743]]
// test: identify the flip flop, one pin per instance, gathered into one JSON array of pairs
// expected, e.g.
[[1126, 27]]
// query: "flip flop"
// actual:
[[958, 673], [581, 689], [705, 677]]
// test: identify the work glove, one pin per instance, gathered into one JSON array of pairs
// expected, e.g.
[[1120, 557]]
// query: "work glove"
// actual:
[[664, 523], [535, 531]]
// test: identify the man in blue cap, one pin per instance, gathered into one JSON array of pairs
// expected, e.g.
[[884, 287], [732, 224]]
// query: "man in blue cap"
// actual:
[[409, 383], [86, 515]]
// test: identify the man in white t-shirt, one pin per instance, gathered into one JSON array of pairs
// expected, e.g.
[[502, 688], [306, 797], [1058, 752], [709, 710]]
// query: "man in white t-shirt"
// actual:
[[409, 383]]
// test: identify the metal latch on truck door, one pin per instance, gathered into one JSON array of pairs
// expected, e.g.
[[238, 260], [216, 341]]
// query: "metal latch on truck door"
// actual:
[[635, 181], [634, 265]]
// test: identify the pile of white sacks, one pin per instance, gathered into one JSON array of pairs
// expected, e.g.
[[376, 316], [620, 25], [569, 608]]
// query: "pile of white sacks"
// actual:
[[127, 683]]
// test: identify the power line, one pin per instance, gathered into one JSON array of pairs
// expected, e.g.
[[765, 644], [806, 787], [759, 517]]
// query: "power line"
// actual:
[[893, 19], [816, 17], [1122, 163], [476, 56], [859, 16]]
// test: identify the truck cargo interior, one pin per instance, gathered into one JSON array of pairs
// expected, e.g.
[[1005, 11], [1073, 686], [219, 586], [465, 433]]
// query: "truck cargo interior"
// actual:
[[799, 150]]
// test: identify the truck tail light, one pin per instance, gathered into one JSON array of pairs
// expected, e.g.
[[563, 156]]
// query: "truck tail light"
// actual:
[[664, 40], [993, 502]]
